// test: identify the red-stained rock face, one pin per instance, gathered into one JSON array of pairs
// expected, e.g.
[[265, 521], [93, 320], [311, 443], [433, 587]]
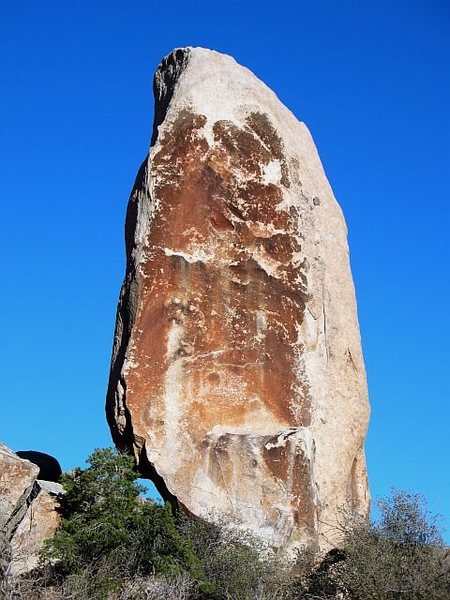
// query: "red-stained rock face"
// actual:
[[237, 376]]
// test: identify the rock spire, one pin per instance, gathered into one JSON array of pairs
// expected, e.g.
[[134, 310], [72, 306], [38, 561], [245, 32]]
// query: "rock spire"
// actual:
[[237, 376]]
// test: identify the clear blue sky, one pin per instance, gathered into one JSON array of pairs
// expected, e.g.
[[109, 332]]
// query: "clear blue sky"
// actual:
[[372, 82]]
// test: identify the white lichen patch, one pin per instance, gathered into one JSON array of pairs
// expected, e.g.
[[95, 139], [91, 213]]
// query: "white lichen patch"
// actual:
[[197, 255], [271, 173], [261, 325], [307, 332], [264, 230], [266, 263], [173, 387]]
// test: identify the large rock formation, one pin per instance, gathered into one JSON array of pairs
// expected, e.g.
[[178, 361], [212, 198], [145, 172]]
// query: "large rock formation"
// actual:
[[237, 376], [28, 512]]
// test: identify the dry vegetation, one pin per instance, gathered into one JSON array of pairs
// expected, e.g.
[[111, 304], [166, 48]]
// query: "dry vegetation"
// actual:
[[114, 546]]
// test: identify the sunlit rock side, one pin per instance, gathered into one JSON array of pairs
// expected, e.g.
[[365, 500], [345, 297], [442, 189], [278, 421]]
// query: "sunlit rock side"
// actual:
[[28, 512], [237, 376]]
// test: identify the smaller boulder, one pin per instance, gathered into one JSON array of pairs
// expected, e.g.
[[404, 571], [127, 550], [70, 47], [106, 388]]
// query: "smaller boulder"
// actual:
[[29, 507], [49, 467], [38, 524], [17, 478]]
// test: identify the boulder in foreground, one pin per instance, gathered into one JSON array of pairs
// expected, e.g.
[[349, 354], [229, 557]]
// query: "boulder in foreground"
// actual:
[[28, 512]]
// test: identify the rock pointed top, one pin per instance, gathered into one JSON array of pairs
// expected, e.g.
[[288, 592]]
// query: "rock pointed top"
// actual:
[[214, 84]]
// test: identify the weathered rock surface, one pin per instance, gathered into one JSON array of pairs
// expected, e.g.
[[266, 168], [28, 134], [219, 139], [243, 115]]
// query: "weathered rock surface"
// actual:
[[237, 376], [28, 512]]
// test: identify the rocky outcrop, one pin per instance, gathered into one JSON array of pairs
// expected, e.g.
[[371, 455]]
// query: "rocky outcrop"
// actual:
[[28, 512], [237, 376], [49, 467]]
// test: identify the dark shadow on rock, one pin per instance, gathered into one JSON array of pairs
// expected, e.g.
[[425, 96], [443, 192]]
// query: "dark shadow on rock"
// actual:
[[49, 467]]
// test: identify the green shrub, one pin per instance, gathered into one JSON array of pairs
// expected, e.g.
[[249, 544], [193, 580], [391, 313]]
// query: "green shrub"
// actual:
[[402, 556], [110, 532], [237, 565], [110, 537], [113, 544]]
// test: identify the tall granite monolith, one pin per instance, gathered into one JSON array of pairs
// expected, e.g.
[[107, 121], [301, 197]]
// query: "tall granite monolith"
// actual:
[[237, 376]]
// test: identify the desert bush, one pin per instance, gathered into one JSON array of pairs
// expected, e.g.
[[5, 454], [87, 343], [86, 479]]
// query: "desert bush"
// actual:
[[401, 556], [181, 587], [109, 534], [111, 542], [236, 564], [115, 545], [80, 586]]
